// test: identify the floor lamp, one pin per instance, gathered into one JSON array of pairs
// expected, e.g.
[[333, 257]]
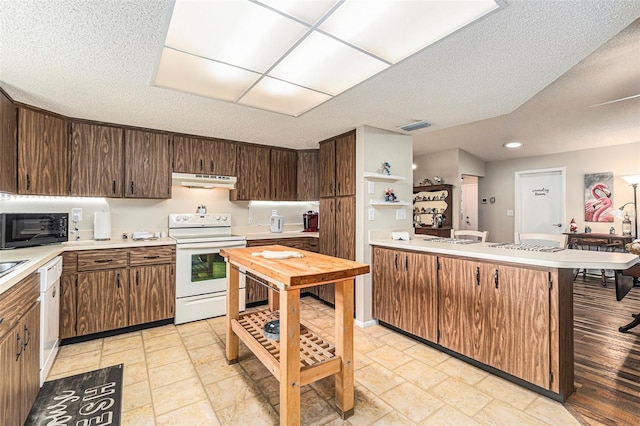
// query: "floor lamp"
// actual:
[[632, 180]]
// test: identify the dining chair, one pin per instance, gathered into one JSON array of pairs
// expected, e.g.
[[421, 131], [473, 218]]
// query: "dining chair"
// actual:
[[464, 233], [551, 240]]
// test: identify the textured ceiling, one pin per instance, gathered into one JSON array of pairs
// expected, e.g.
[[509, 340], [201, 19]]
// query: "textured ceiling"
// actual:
[[510, 75]]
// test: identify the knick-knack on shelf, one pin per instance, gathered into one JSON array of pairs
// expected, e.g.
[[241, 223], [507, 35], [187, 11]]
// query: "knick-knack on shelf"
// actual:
[[572, 226], [385, 168], [389, 195]]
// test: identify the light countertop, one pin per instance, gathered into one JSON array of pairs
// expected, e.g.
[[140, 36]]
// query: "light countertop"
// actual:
[[561, 259], [38, 256]]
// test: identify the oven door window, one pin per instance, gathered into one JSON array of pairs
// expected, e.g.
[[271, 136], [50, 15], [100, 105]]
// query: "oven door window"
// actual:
[[207, 266]]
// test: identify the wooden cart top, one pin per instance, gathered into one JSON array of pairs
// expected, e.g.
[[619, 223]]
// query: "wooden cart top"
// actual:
[[312, 269]]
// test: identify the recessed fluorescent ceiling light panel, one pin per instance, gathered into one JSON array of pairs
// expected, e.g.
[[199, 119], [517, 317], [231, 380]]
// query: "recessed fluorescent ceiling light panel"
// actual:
[[290, 56]]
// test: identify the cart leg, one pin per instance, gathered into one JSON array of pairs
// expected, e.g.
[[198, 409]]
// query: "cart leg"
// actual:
[[290, 357], [344, 347], [233, 290]]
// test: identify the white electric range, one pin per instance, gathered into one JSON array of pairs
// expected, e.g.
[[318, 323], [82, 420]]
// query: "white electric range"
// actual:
[[201, 273]]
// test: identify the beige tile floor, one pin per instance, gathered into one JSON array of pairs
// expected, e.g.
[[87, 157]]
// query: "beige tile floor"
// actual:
[[177, 375]]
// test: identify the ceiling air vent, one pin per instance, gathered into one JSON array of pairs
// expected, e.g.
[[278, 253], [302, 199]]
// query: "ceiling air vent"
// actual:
[[415, 126]]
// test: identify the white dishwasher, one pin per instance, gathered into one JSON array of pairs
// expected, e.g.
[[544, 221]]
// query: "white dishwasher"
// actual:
[[49, 314]]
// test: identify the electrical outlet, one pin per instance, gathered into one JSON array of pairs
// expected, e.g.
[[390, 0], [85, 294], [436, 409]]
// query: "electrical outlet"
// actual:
[[509, 212], [76, 215], [401, 214]]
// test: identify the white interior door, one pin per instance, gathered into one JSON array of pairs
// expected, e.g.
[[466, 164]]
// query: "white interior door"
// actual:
[[540, 201], [469, 205]]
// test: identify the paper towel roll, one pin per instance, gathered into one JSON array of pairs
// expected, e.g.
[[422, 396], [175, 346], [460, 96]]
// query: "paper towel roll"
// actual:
[[102, 226]]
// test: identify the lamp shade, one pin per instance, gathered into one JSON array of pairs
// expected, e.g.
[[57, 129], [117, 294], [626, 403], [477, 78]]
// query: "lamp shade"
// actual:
[[632, 179]]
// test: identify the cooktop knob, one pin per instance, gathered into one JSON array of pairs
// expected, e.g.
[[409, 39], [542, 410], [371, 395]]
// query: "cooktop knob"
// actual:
[[224, 218], [185, 217], [217, 217]]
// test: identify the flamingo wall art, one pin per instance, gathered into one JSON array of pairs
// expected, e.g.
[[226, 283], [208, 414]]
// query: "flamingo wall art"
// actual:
[[598, 197]]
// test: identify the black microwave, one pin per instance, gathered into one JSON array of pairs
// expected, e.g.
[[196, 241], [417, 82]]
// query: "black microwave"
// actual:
[[32, 229]]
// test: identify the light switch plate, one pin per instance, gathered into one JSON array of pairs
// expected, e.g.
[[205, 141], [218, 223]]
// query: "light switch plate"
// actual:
[[401, 214], [372, 213], [372, 188], [509, 212], [76, 214]]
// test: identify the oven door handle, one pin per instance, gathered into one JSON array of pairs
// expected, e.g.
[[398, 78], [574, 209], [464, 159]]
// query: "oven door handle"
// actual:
[[211, 245]]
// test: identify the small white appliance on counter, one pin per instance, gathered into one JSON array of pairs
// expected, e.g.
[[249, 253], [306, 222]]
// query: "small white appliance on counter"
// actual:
[[201, 273], [49, 314], [102, 226], [276, 222]]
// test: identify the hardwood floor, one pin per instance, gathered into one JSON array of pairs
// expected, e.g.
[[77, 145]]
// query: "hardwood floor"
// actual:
[[607, 362]]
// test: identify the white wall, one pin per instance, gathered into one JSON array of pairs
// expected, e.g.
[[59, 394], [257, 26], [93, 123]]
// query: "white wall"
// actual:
[[499, 182], [374, 146], [128, 215]]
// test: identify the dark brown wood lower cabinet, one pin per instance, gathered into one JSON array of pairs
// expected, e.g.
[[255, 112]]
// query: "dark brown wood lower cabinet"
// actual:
[[496, 314], [150, 298], [30, 360], [20, 368], [405, 292], [102, 302], [68, 293]]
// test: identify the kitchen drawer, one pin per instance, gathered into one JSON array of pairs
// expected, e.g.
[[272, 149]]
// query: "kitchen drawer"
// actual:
[[296, 243], [16, 301], [255, 243], [312, 244], [69, 262], [94, 260], [152, 255]]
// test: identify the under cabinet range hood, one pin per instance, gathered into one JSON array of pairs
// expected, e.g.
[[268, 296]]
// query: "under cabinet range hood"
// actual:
[[203, 181]]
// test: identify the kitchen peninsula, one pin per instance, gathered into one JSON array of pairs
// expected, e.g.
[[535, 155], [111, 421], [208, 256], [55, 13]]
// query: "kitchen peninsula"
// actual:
[[507, 311]]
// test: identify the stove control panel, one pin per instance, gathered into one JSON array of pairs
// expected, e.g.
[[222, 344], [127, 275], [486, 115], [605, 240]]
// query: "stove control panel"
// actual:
[[196, 220]]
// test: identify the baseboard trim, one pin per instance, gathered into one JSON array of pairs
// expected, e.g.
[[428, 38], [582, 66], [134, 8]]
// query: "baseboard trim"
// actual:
[[366, 324]]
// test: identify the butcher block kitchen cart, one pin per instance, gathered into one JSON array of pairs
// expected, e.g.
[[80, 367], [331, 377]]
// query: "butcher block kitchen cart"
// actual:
[[299, 357]]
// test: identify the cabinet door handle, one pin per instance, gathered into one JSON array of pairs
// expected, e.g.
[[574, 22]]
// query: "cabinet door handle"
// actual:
[[20, 346], [113, 186], [131, 187], [396, 261], [118, 276], [406, 263], [478, 275], [495, 278], [27, 335], [28, 182], [103, 260], [152, 257], [211, 166], [137, 277], [1, 320], [201, 165]]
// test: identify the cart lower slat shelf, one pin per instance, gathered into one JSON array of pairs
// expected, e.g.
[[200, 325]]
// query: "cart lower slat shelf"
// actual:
[[317, 357]]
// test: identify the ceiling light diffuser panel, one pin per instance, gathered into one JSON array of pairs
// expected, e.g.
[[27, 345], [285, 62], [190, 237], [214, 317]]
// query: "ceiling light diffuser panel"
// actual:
[[289, 56]]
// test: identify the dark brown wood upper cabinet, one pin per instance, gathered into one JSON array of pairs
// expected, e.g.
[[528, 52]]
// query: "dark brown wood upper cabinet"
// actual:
[[96, 161], [147, 162], [308, 176], [202, 155], [284, 171], [43, 154], [189, 155], [254, 173], [223, 157], [8, 145], [346, 164], [327, 160]]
